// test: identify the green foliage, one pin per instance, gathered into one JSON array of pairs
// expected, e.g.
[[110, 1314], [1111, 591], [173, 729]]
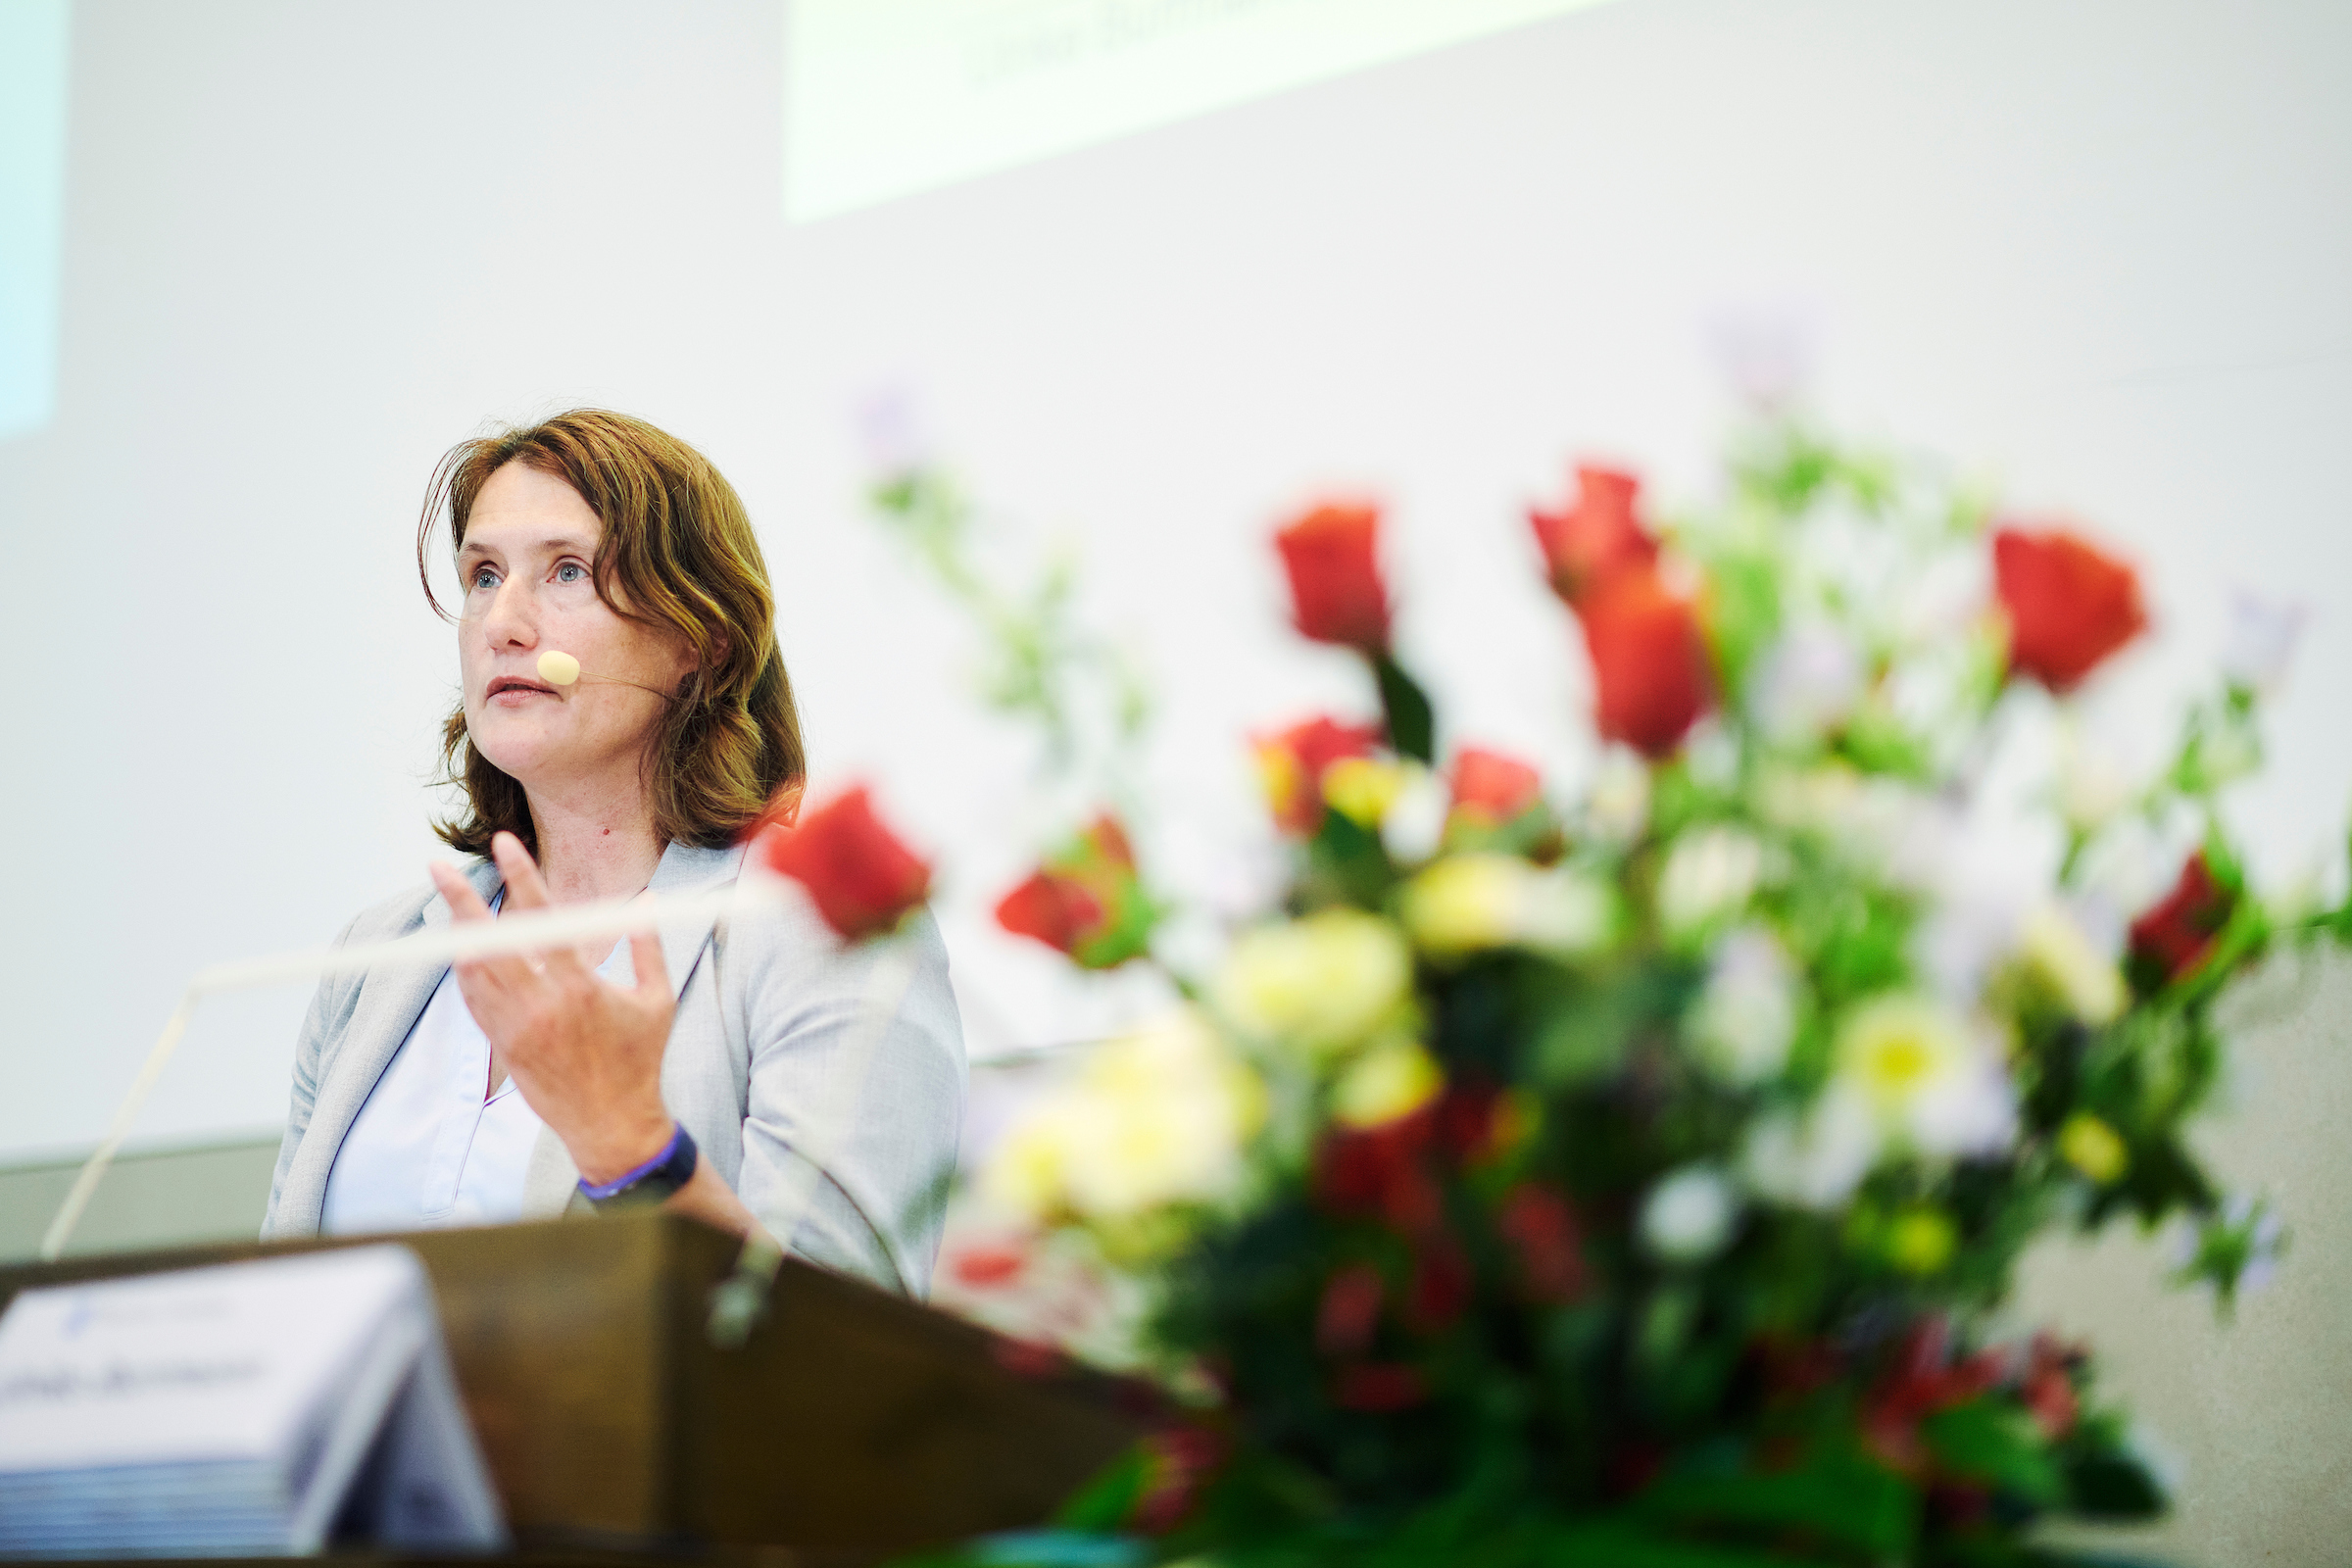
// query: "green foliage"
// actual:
[[1040, 663], [1412, 724]]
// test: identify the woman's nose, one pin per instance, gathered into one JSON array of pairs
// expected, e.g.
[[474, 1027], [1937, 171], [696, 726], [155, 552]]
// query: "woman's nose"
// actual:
[[511, 622]]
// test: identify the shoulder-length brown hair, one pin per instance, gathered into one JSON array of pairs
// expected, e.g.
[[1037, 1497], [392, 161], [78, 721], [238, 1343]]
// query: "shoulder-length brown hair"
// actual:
[[678, 553]]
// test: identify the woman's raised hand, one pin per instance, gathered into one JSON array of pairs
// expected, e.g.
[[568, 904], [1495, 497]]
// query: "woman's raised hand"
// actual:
[[585, 1053]]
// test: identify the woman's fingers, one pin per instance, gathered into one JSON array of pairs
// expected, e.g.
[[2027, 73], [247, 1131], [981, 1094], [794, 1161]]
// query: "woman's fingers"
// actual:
[[465, 908], [653, 970], [464, 904], [526, 889]]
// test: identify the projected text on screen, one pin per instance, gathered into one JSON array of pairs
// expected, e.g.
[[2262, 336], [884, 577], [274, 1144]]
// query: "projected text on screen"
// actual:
[[885, 98]]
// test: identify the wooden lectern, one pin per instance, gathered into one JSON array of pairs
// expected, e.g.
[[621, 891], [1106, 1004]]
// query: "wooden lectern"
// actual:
[[851, 1426]]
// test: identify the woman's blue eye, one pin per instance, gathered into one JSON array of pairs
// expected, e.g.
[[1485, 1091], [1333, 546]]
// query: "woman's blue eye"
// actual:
[[484, 577], [571, 571]]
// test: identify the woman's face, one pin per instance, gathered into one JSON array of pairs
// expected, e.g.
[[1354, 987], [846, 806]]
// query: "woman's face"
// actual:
[[525, 569]]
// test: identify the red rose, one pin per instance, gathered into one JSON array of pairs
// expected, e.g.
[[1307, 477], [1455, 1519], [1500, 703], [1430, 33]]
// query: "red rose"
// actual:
[[2173, 938], [862, 879], [1921, 1379], [2068, 607], [1541, 1230], [1085, 901], [1596, 537], [1380, 1172], [1349, 1314], [1335, 576], [1440, 1286], [1651, 670], [1492, 787], [1466, 1116], [1291, 764], [1379, 1387], [1053, 910], [984, 1267], [2048, 1389]]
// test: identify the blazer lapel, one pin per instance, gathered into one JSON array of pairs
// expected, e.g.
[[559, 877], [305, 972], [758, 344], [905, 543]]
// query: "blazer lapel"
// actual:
[[550, 1181], [389, 1003]]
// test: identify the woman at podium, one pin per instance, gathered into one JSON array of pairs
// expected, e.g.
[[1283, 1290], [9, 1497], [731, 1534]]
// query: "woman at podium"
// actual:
[[688, 1067]]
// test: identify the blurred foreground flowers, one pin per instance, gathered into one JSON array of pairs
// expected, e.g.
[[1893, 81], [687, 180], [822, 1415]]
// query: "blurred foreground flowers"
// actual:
[[1636, 1175]]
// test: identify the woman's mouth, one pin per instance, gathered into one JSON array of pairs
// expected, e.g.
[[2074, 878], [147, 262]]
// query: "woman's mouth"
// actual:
[[512, 691]]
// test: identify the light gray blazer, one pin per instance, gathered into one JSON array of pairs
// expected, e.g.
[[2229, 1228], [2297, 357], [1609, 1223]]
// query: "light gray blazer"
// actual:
[[757, 1070]]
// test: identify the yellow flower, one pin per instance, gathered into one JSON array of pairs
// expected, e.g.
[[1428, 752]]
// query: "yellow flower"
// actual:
[[1324, 984], [2058, 954], [1154, 1118], [1362, 788], [1921, 1241], [1466, 903], [2093, 1148], [1028, 1173], [1278, 776], [1385, 1084]]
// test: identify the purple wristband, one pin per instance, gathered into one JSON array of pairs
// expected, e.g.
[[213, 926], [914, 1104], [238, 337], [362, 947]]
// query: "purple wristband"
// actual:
[[597, 1192]]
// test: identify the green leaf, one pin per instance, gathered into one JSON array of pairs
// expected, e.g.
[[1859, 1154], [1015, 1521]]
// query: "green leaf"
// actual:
[[1996, 1445], [1587, 1028], [1742, 612], [2113, 1486], [1622, 1543], [1412, 724], [1104, 1501], [1345, 863], [1849, 1502]]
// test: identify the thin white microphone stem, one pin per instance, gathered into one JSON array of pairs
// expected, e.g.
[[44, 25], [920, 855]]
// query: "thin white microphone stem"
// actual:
[[520, 932], [77, 1197]]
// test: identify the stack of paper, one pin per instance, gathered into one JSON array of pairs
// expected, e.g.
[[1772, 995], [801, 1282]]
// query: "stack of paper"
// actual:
[[240, 1409]]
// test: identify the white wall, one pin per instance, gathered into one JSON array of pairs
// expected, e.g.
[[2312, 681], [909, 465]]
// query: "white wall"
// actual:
[[2099, 249]]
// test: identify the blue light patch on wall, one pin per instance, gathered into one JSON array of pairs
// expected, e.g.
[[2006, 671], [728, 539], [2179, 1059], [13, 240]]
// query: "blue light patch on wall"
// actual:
[[34, 70]]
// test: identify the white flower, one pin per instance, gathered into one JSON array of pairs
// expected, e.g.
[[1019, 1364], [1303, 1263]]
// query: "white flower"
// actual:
[[1617, 807], [1324, 984], [2057, 950], [1688, 1216], [2092, 782], [2131, 861], [1710, 874], [1745, 1016], [1929, 1082], [1466, 903], [1808, 683], [1944, 599], [2263, 634], [1153, 1118], [1816, 1160], [1415, 825]]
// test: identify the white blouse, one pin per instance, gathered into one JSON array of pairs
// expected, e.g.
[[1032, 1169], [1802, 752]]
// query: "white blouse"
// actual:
[[427, 1150]]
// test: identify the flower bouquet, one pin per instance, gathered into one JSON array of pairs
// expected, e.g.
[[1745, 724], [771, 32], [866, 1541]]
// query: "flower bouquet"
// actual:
[[1637, 1176]]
